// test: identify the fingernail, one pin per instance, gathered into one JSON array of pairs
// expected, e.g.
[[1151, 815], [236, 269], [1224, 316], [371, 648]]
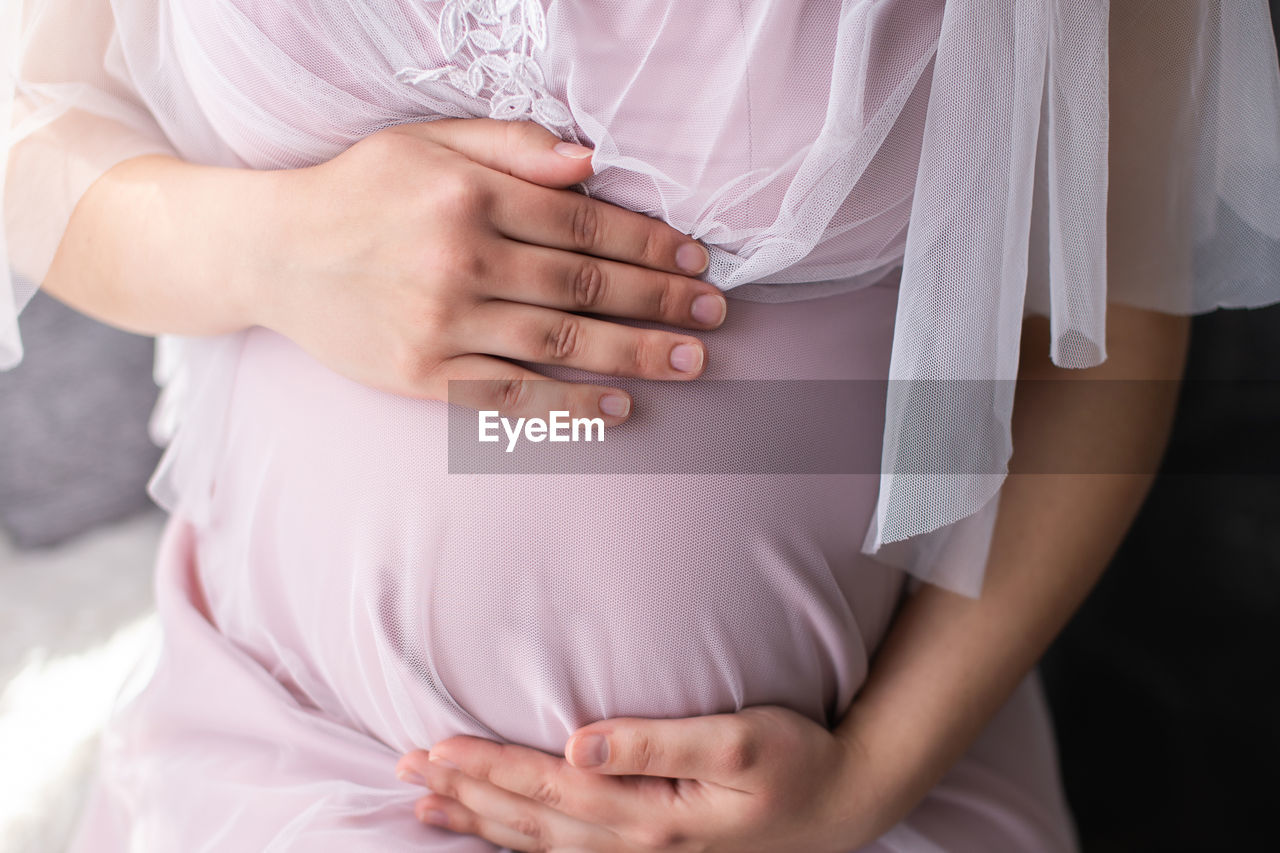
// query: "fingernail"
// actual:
[[709, 309], [572, 150], [686, 358], [591, 751], [615, 406], [433, 816], [413, 777], [692, 257], [443, 762]]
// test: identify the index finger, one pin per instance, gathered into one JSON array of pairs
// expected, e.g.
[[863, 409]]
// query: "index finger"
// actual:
[[609, 801], [563, 219]]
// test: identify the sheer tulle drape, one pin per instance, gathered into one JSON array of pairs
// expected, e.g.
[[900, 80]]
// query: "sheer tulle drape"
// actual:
[[1074, 154], [1038, 157]]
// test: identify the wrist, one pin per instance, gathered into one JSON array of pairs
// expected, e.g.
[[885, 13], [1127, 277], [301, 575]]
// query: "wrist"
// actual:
[[861, 795], [260, 239], [881, 781], [197, 225], [219, 228]]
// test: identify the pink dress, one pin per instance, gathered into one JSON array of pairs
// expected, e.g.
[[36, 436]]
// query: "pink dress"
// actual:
[[511, 607], [890, 186]]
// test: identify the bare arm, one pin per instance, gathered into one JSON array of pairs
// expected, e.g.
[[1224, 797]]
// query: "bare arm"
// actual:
[[950, 662], [157, 245], [425, 252]]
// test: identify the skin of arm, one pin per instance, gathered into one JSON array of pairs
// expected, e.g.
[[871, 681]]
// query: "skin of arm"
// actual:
[[949, 662], [117, 261]]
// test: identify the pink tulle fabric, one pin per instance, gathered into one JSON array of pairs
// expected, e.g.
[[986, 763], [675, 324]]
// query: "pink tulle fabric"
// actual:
[[1043, 157], [349, 599], [889, 186]]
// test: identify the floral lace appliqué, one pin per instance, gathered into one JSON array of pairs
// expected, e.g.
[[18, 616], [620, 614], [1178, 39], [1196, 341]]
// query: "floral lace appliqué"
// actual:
[[490, 45]]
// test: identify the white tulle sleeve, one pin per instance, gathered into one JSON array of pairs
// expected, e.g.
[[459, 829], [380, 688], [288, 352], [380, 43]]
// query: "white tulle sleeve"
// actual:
[[72, 113], [1074, 155]]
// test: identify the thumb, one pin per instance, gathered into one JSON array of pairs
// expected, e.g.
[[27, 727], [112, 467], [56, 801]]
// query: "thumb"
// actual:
[[716, 748], [524, 149]]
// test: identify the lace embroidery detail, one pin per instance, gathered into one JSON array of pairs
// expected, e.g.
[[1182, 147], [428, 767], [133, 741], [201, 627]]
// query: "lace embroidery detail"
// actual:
[[490, 46]]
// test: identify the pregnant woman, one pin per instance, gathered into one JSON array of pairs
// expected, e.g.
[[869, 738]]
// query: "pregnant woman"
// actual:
[[330, 211]]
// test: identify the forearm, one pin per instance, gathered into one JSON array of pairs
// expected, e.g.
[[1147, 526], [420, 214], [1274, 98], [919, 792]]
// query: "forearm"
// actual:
[[950, 662], [157, 245]]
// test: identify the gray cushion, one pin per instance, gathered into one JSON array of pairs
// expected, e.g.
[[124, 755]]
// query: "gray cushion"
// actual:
[[74, 449]]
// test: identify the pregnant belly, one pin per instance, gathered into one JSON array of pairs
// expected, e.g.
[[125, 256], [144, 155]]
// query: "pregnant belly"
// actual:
[[413, 603]]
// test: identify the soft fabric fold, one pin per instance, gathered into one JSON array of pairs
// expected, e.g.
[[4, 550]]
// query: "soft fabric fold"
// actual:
[[1040, 157]]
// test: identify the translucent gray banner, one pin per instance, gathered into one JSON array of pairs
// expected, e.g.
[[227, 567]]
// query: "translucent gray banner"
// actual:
[[822, 427]]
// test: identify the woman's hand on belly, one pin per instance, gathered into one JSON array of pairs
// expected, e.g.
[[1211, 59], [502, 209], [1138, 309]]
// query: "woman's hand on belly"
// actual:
[[763, 779], [446, 249]]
